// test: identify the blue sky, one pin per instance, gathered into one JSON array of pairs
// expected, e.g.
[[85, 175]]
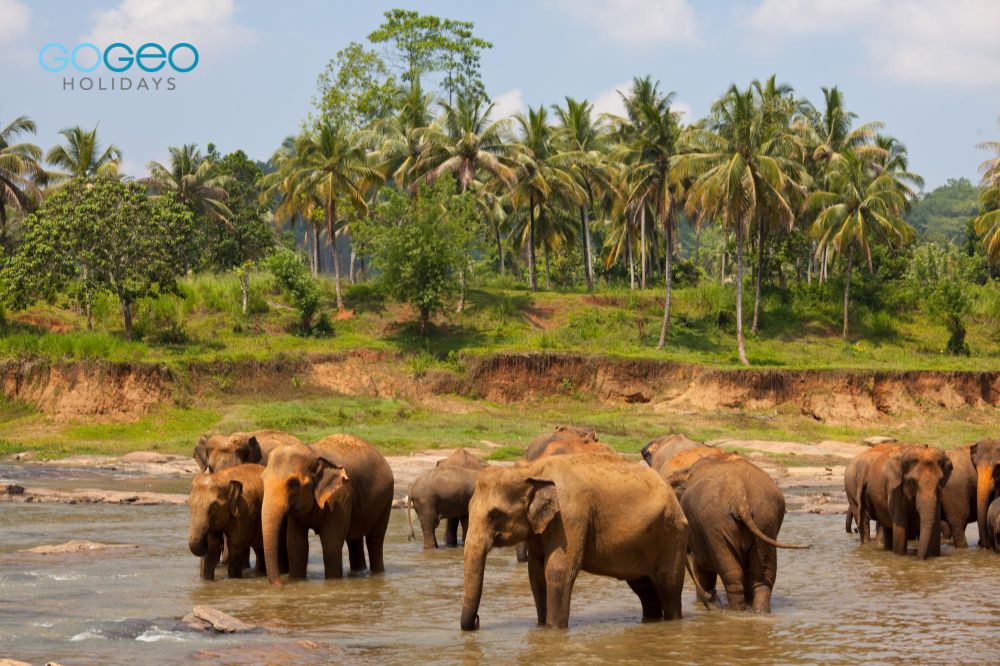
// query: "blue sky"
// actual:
[[929, 69]]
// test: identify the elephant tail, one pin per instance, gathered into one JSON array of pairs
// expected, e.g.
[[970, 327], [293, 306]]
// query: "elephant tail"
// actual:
[[747, 518], [408, 504], [702, 594], [848, 522]]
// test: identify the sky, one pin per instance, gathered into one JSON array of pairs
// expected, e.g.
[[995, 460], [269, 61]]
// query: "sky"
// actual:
[[928, 69]]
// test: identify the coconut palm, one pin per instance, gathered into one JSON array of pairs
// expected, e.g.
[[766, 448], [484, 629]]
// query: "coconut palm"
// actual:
[[401, 141], [861, 206], [81, 156], [20, 173], [293, 203], [736, 177], [193, 181], [987, 224]]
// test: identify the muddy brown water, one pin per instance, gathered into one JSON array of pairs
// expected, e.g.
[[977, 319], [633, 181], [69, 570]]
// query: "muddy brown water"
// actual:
[[836, 603]]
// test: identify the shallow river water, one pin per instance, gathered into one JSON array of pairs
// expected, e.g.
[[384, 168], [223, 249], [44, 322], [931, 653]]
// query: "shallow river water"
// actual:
[[835, 603]]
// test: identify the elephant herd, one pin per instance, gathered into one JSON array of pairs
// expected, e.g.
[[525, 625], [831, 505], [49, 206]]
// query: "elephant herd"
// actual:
[[919, 492], [570, 504]]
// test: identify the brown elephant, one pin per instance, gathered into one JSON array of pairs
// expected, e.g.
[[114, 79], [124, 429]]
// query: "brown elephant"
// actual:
[[986, 458], [442, 493], [682, 462], [734, 512], [463, 458], [902, 492], [662, 449], [596, 513], [854, 478], [341, 488], [562, 435], [225, 509], [993, 523], [217, 452], [958, 497]]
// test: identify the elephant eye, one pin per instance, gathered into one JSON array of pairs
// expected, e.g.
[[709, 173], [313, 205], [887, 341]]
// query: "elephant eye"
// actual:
[[294, 484]]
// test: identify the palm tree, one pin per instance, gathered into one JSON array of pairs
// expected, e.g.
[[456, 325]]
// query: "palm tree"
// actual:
[[861, 206], [81, 156], [542, 173], [736, 177], [584, 144], [401, 141], [293, 203], [194, 182], [466, 143], [987, 224], [20, 172], [327, 164]]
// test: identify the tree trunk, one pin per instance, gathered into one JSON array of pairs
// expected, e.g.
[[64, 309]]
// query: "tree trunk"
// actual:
[[496, 231], [697, 244], [314, 254], [88, 310], [127, 316], [350, 269], [642, 247], [461, 290], [847, 286], [668, 269], [759, 276], [532, 271], [628, 255], [740, 344], [548, 277], [588, 268], [331, 219], [245, 290]]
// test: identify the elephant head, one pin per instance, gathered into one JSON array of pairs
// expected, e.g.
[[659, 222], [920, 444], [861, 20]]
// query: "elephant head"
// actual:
[[298, 483], [212, 503], [986, 458], [507, 506], [668, 445], [917, 474], [218, 452]]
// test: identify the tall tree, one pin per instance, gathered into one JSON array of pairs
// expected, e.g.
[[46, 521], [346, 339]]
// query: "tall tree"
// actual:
[[987, 223], [355, 89], [194, 181], [860, 207], [20, 173], [82, 157]]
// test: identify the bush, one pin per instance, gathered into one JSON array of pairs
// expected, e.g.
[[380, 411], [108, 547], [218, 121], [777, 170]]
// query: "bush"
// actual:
[[950, 303], [685, 273], [160, 319], [293, 275]]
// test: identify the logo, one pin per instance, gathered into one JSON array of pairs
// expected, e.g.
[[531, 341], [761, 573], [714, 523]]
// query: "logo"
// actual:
[[79, 62]]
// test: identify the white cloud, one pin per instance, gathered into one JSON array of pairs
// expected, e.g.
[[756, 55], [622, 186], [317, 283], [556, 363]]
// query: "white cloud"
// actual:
[[208, 24], [908, 41], [507, 104], [639, 23], [685, 114], [14, 19]]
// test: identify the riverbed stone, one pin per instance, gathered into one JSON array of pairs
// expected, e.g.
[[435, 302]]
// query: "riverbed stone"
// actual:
[[77, 546], [206, 618]]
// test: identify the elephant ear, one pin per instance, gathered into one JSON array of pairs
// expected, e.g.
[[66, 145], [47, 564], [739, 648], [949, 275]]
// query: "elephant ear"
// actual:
[[947, 467], [234, 492], [200, 453], [328, 478], [894, 470], [543, 504], [254, 454]]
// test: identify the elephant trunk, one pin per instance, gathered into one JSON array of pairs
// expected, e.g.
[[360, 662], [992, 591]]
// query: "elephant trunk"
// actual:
[[273, 513], [198, 544], [476, 550], [929, 511], [198, 534], [984, 494]]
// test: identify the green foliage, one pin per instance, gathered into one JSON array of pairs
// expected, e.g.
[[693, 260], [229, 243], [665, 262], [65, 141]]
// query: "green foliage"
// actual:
[[419, 243], [945, 212], [355, 88], [950, 303], [293, 275], [101, 235], [244, 235], [160, 319]]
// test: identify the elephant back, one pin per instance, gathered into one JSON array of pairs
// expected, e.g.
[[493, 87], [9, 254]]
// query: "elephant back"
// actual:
[[369, 473]]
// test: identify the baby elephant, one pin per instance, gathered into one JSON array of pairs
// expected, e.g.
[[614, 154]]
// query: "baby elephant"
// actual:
[[442, 493], [225, 509]]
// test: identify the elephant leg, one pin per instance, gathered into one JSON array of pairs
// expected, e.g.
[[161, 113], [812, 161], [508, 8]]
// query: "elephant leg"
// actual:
[[376, 542], [282, 548], [707, 579], [237, 558], [561, 570], [356, 554], [763, 571], [536, 577], [955, 523], [451, 532], [731, 573], [652, 607], [464, 520], [212, 556], [669, 580], [864, 525], [297, 540], [258, 552], [521, 552], [331, 535]]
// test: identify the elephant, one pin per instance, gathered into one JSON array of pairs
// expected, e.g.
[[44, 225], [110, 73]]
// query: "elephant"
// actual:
[[681, 462], [341, 488], [986, 459], [561, 435], [854, 476], [662, 449], [734, 512], [590, 512], [217, 452], [902, 491], [463, 458], [226, 505], [442, 492], [993, 523], [958, 497]]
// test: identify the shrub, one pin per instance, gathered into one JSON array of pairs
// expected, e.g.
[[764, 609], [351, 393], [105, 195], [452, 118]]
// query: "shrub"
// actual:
[[293, 275], [950, 303], [160, 319]]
